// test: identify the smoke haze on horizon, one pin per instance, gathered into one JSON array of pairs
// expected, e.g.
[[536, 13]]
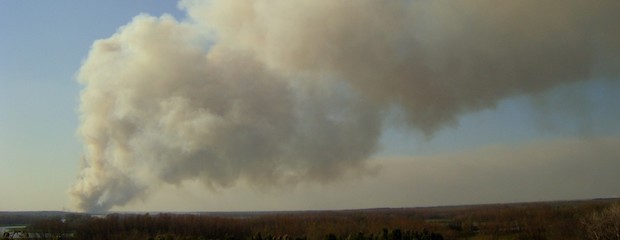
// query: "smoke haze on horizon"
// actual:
[[276, 93]]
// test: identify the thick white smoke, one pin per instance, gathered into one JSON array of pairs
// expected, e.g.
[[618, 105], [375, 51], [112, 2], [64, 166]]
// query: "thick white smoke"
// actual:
[[274, 92]]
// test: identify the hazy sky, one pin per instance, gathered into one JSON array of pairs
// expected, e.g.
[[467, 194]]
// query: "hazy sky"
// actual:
[[309, 105]]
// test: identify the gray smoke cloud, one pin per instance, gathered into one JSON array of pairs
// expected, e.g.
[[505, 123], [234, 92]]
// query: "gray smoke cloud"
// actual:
[[278, 92]]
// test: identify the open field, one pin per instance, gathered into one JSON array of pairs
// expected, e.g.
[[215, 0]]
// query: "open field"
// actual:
[[538, 220]]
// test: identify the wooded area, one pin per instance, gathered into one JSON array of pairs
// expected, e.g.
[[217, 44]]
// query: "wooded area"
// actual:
[[594, 219]]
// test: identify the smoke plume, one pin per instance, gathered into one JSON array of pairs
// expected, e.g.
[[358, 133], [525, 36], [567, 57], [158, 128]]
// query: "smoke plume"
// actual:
[[276, 92]]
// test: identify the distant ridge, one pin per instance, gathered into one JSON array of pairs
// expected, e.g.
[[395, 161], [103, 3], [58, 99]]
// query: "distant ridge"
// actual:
[[268, 212]]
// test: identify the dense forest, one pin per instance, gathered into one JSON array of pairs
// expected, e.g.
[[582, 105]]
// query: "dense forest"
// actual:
[[594, 219]]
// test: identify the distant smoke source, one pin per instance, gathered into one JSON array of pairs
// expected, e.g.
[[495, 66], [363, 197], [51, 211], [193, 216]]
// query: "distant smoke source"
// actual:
[[276, 92]]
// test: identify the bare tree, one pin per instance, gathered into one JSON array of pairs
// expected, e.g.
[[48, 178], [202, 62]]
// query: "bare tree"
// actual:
[[604, 225]]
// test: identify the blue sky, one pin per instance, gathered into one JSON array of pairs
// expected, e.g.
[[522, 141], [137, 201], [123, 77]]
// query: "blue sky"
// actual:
[[43, 45]]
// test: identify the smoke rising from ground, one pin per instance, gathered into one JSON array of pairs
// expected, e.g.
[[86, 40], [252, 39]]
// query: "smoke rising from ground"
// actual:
[[277, 92]]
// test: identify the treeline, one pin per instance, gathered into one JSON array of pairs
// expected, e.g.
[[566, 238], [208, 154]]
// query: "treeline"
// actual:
[[190, 226], [395, 234], [554, 220], [26, 218]]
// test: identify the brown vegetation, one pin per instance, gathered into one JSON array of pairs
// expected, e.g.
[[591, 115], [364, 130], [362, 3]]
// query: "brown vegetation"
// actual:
[[604, 224], [596, 219]]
